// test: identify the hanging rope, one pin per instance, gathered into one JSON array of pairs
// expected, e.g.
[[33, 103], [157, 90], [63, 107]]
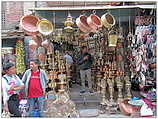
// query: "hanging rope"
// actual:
[[129, 21], [119, 19], [54, 19]]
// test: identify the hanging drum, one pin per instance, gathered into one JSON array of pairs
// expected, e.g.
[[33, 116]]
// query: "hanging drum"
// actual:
[[28, 24], [112, 38], [82, 24], [107, 20], [94, 21], [45, 27]]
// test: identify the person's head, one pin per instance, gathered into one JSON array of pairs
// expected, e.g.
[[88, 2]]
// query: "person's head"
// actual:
[[9, 68], [84, 49], [67, 52], [34, 64]]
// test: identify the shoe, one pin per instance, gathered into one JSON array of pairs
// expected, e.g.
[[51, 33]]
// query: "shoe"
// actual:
[[91, 92], [82, 91]]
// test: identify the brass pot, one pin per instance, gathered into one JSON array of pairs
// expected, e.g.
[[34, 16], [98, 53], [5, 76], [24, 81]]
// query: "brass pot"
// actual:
[[112, 38], [82, 24], [107, 20], [94, 22], [28, 24], [45, 27]]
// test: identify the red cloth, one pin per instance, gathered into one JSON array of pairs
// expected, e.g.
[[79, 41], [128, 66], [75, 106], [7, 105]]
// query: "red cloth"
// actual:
[[35, 89]]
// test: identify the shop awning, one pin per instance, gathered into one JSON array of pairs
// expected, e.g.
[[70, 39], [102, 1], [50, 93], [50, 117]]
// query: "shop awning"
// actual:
[[95, 7]]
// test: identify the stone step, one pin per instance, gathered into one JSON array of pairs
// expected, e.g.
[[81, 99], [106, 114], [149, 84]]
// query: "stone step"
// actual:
[[87, 105], [78, 94], [87, 101]]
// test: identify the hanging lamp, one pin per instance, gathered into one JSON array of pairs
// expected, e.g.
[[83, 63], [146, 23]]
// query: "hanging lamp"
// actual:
[[68, 23]]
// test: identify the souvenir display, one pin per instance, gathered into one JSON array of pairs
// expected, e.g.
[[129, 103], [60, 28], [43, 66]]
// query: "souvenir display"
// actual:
[[68, 23], [20, 65], [122, 45]]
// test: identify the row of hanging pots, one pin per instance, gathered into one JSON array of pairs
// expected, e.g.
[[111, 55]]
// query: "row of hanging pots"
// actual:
[[93, 22], [32, 25]]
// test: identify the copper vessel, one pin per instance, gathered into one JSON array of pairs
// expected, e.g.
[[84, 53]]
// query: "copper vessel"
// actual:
[[82, 24], [28, 24], [107, 20], [94, 21], [127, 108]]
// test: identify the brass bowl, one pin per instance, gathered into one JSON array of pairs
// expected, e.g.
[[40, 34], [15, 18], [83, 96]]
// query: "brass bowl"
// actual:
[[45, 27], [108, 20]]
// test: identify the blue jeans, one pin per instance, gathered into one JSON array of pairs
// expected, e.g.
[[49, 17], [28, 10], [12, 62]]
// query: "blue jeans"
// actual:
[[40, 101]]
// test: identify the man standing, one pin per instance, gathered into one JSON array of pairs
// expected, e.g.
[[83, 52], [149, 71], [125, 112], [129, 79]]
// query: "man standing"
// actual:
[[68, 58], [85, 62], [35, 80]]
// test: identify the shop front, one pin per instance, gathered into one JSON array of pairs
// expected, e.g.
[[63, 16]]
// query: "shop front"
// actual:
[[122, 41]]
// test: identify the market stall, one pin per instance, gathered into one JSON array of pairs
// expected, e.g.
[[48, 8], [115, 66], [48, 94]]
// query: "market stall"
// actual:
[[122, 40]]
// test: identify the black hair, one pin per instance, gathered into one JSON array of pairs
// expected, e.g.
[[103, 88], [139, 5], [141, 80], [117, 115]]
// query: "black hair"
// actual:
[[83, 47], [36, 61], [8, 65]]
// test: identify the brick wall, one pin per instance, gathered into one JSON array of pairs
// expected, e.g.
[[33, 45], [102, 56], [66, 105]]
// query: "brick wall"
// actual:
[[41, 4], [13, 13], [26, 7]]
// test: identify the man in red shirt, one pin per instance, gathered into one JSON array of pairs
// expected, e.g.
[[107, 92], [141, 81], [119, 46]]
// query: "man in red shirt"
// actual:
[[35, 80]]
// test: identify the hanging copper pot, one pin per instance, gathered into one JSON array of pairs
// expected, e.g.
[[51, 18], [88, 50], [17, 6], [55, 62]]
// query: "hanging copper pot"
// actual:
[[94, 21], [82, 24], [112, 38], [107, 20], [28, 24], [45, 27]]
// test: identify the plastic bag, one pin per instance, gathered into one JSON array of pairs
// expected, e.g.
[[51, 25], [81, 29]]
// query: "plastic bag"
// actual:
[[5, 114]]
